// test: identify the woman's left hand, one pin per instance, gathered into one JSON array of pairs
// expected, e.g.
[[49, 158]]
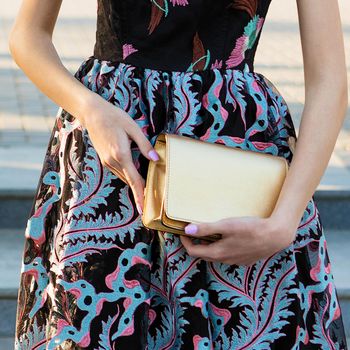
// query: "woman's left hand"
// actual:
[[244, 239]]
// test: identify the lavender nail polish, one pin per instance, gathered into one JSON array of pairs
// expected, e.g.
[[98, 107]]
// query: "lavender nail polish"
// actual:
[[153, 155], [191, 229]]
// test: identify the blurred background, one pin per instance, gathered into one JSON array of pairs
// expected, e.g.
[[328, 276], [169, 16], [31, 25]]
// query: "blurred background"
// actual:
[[27, 116]]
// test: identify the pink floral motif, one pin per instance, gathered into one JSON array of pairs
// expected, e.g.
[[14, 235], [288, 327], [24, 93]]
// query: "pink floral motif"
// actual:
[[237, 54], [245, 42], [179, 2], [216, 64], [127, 50]]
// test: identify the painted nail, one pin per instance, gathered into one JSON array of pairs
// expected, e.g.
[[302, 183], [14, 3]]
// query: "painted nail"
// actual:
[[153, 155], [191, 229], [139, 209]]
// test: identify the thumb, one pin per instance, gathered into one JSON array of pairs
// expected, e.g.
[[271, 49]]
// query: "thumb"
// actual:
[[202, 229]]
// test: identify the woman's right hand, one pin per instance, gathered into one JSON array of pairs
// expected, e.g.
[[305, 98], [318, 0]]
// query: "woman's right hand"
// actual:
[[111, 131], [109, 127]]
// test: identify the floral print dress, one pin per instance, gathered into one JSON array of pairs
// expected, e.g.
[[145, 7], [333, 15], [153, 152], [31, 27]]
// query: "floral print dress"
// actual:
[[93, 277]]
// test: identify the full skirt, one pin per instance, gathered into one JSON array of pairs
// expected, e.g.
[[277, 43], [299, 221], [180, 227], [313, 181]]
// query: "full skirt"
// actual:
[[93, 277]]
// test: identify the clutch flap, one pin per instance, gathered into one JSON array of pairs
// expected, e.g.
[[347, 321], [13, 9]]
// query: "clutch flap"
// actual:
[[207, 182]]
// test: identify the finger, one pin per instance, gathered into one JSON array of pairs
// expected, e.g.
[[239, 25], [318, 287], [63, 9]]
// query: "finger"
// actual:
[[116, 170], [135, 180], [223, 227], [128, 172], [209, 252], [122, 158], [143, 143], [205, 241], [115, 167], [204, 228], [195, 240]]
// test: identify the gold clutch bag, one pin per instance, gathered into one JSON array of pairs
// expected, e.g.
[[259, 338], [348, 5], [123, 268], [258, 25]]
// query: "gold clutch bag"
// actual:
[[198, 181]]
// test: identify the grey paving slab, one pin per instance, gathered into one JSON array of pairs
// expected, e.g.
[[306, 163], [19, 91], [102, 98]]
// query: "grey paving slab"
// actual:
[[338, 243], [12, 244], [22, 154], [27, 116], [20, 166], [11, 248], [11, 251], [7, 343]]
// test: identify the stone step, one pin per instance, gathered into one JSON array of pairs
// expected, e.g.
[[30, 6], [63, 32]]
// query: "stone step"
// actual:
[[11, 250], [334, 206], [7, 343], [21, 166]]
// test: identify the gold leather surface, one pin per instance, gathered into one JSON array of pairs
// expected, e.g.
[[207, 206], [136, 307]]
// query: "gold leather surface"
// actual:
[[154, 189], [207, 182], [197, 181]]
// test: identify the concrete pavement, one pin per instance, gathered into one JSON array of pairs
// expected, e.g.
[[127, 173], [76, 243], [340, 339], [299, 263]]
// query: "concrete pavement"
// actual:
[[27, 116]]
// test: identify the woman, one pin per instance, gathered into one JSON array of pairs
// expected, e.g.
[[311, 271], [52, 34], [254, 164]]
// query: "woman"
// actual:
[[93, 277]]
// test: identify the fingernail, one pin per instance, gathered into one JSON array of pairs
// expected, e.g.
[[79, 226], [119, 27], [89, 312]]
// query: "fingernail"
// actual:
[[139, 209], [153, 155], [191, 229]]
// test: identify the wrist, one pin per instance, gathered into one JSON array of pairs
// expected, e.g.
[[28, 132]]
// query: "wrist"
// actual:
[[288, 216], [87, 102], [284, 226]]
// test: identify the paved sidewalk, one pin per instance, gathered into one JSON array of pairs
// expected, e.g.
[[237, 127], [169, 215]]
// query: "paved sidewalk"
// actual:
[[285, 69], [26, 115]]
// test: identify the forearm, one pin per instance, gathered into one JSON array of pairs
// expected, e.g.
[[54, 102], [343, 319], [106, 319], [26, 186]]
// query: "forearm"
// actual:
[[35, 54], [322, 118]]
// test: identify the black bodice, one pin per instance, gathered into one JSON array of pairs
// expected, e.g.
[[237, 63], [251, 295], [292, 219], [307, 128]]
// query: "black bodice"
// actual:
[[180, 35]]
